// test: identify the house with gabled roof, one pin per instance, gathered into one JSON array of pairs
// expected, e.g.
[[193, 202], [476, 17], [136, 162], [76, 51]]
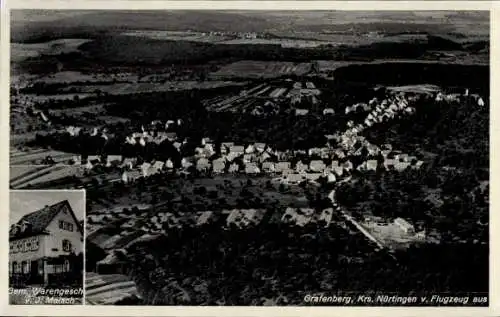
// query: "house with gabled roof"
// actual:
[[317, 166], [156, 167], [294, 178], [401, 166], [202, 164], [330, 178], [268, 167], [264, 157], [252, 168], [417, 164], [301, 167], [389, 163], [224, 147], [113, 160], [301, 112], [169, 164], [260, 147], [45, 243], [218, 165], [283, 167], [247, 158], [250, 149], [371, 165], [313, 176], [234, 168]]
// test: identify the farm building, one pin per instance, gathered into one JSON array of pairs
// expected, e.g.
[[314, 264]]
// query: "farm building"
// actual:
[[301, 112], [404, 225]]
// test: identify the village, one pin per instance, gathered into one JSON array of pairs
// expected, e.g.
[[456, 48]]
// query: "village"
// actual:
[[333, 164], [344, 155]]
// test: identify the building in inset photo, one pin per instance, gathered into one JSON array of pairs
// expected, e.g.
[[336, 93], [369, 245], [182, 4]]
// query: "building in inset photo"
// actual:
[[46, 245]]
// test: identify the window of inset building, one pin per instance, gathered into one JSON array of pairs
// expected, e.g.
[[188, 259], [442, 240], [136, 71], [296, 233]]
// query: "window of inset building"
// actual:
[[66, 245]]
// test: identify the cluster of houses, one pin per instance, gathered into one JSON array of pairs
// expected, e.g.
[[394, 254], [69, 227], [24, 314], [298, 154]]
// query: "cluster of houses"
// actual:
[[456, 97], [258, 158], [241, 35], [383, 111], [156, 132]]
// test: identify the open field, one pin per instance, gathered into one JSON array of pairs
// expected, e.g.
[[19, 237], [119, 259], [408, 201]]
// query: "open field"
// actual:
[[136, 88], [107, 289], [20, 51], [66, 77], [77, 23], [36, 157], [261, 69], [31, 175], [178, 36]]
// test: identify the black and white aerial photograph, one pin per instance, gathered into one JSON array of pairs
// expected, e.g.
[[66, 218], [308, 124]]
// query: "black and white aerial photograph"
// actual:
[[262, 158]]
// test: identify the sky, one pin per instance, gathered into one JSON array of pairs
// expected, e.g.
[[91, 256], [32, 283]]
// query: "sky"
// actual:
[[25, 202]]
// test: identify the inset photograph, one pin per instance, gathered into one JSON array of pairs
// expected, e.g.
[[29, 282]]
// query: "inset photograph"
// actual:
[[46, 247]]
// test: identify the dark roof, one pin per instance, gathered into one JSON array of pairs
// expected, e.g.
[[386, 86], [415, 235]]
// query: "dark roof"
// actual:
[[40, 219]]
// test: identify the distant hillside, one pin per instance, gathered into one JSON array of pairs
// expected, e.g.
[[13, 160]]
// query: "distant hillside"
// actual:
[[109, 22], [43, 25]]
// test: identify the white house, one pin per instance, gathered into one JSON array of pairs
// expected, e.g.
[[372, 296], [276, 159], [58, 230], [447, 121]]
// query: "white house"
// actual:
[[202, 164], [404, 225], [218, 165], [301, 112], [328, 111], [283, 167], [268, 167], [331, 178], [113, 159], [234, 168], [169, 164], [301, 167], [45, 243], [252, 168], [125, 177], [317, 166]]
